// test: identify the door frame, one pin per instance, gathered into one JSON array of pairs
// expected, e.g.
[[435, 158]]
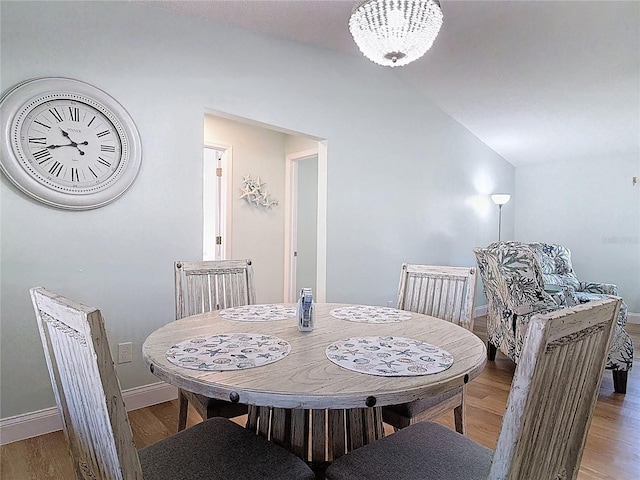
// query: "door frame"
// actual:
[[290, 209], [226, 185]]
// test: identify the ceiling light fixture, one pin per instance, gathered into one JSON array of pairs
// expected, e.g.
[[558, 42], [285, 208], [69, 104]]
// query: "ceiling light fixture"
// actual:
[[395, 32]]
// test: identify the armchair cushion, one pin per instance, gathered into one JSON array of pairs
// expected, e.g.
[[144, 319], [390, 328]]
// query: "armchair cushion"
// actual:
[[604, 288], [557, 269], [555, 263]]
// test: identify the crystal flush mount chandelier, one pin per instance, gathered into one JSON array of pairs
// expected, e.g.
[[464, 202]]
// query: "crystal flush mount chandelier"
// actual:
[[395, 32]]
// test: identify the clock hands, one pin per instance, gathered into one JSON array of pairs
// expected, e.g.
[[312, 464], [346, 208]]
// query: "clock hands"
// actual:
[[72, 144], [65, 134]]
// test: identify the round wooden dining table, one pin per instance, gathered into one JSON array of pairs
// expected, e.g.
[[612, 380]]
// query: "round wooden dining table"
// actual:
[[316, 408]]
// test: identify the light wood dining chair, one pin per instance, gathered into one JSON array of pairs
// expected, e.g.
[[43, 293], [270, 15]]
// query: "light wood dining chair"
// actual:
[[443, 292], [544, 428], [97, 428], [203, 287]]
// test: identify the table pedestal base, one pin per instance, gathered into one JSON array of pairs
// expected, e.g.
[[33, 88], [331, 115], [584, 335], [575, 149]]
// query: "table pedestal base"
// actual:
[[317, 436]]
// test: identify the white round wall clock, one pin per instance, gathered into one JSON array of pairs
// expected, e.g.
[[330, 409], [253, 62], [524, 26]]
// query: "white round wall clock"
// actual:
[[67, 143]]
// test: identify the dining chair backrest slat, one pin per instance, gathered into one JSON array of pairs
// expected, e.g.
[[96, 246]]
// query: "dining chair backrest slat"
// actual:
[[212, 285], [439, 291]]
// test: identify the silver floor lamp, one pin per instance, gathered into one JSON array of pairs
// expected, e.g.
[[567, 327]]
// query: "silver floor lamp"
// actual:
[[500, 199]]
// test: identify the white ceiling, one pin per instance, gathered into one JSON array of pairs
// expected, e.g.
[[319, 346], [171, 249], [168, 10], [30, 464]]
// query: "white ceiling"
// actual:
[[537, 81]]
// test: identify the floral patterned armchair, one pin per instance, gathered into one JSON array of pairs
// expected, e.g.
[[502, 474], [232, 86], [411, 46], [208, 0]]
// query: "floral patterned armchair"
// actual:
[[522, 279]]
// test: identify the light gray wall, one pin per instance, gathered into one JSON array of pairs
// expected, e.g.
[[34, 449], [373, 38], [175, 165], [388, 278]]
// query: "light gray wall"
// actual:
[[592, 207], [401, 173]]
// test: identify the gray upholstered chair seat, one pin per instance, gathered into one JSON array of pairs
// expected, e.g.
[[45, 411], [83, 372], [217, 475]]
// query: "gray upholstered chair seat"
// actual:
[[219, 448], [416, 407], [450, 456]]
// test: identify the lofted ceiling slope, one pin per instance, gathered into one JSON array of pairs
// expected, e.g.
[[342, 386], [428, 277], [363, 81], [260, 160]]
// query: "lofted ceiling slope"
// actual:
[[537, 81]]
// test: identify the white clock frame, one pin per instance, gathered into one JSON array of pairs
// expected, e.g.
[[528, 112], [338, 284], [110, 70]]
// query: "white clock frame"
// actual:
[[17, 162]]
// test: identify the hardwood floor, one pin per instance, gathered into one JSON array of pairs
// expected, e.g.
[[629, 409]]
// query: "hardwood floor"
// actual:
[[611, 452]]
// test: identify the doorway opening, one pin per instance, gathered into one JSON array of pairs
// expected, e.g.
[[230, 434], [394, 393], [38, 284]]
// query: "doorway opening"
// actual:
[[305, 238], [264, 233], [304, 218]]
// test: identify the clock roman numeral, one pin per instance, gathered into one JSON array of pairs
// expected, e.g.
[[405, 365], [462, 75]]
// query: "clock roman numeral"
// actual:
[[94, 173], [42, 156], [55, 169], [103, 162], [102, 134], [48, 127], [74, 175], [74, 113], [89, 124], [107, 148], [56, 114], [38, 140]]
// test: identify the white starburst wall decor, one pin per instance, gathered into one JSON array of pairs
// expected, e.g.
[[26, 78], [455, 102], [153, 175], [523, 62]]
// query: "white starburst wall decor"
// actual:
[[253, 192]]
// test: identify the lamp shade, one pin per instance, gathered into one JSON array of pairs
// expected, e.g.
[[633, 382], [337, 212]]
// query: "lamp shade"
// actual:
[[500, 198], [395, 32]]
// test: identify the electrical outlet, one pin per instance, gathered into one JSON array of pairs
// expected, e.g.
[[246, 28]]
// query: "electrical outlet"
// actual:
[[125, 352]]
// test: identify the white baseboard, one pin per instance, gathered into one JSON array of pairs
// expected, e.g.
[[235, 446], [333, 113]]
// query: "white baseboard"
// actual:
[[633, 317], [32, 424], [481, 311]]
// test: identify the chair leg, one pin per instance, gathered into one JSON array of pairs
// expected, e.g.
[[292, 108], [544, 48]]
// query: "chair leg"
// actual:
[[620, 381], [183, 408], [491, 351], [459, 414]]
